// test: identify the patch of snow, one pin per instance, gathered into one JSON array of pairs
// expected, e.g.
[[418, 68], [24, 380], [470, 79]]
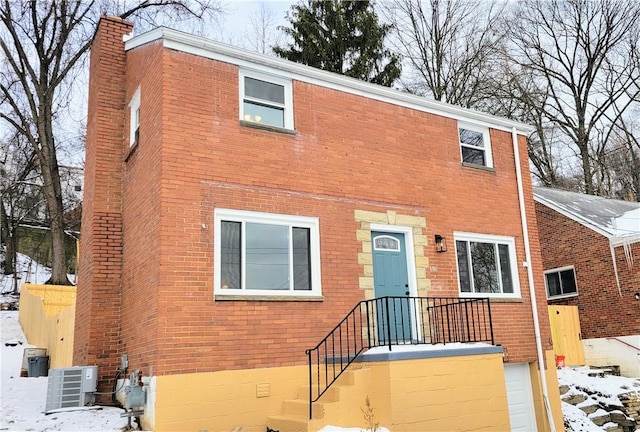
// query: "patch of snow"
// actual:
[[23, 400], [599, 413], [603, 391], [27, 271], [576, 419], [607, 388], [425, 347], [588, 402]]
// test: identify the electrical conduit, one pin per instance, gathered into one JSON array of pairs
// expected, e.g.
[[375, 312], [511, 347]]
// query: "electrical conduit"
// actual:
[[532, 291]]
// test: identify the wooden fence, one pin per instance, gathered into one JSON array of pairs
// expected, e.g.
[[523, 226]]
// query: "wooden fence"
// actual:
[[565, 332], [47, 317]]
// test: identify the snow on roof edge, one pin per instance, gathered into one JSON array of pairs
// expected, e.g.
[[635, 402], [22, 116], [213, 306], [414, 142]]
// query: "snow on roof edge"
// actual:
[[621, 228]]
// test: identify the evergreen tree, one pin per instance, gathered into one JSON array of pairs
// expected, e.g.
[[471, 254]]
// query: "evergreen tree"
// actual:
[[343, 37]]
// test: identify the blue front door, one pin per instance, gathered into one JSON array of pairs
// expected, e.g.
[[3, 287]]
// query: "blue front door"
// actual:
[[391, 279]]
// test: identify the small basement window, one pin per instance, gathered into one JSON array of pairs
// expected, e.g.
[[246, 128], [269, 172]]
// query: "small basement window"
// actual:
[[266, 100], [561, 282]]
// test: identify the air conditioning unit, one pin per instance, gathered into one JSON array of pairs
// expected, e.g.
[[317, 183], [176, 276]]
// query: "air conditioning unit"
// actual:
[[71, 387]]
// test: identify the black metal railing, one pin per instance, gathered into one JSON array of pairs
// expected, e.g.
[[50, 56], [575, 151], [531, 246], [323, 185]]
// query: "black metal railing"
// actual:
[[388, 321]]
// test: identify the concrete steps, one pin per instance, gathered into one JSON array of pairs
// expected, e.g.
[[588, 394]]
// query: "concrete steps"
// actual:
[[338, 404]]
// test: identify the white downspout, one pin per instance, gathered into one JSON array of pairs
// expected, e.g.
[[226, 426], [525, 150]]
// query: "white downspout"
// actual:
[[532, 291], [615, 266]]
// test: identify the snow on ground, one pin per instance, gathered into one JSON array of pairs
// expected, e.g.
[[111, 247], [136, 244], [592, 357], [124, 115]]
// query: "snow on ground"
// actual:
[[577, 419], [23, 399], [608, 388], [28, 271], [603, 391]]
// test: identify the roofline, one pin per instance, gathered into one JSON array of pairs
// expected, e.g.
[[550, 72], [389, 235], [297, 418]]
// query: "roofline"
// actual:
[[203, 47], [614, 240], [623, 240]]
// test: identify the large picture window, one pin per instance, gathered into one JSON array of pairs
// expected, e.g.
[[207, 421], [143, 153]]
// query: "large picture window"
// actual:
[[486, 265], [475, 146], [266, 100], [263, 254], [561, 282]]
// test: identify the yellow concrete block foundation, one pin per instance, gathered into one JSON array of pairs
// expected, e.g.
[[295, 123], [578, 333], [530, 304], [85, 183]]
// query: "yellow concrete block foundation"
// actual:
[[445, 393], [441, 394], [221, 401]]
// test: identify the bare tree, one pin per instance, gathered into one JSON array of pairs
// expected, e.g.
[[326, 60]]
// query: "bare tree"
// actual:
[[513, 92], [44, 44], [20, 196], [262, 33], [449, 46], [582, 53], [617, 162]]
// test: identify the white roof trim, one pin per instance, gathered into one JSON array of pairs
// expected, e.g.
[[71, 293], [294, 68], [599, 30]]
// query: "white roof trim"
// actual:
[[621, 241], [613, 239], [185, 42]]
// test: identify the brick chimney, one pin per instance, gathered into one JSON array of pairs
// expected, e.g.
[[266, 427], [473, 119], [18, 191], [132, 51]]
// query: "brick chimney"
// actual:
[[97, 324]]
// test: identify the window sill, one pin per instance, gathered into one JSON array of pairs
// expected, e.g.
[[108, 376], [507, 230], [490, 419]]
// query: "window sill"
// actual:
[[494, 299], [478, 167], [562, 297], [276, 298], [131, 151], [267, 127]]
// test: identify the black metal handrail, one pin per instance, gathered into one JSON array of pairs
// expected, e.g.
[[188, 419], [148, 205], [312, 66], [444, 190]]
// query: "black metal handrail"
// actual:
[[388, 321]]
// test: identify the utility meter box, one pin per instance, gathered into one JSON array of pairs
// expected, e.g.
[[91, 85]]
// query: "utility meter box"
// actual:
[[134, 396]]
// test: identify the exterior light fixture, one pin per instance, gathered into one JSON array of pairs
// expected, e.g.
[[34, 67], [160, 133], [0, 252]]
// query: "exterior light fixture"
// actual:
[[441, 243]]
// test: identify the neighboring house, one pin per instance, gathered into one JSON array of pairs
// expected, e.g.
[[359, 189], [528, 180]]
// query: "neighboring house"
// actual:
[[590, 249], [239, 206]]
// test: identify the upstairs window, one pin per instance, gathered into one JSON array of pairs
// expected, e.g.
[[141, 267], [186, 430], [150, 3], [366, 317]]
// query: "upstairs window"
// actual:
[[134, 120], [486, 265], [475, 146], [561, 282], [266, 254], [266, 100]]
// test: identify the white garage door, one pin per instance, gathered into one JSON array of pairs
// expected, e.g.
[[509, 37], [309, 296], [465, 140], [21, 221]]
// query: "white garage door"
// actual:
[[521, 412]]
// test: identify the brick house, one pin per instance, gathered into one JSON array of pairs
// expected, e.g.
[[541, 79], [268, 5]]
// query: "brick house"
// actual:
[[588, 248], [238, 207]]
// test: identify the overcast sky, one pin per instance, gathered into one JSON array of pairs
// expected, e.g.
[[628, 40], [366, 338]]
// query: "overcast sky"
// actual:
[[236, 24]]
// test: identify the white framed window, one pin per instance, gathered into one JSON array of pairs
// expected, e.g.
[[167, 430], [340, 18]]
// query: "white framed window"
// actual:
[[475, 145], [134, 120], [266, 100], [266, 254], [487, 265], [561, 282]]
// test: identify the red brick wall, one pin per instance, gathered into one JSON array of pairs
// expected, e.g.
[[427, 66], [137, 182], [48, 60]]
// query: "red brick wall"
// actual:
[[141, 199], [604, 311], [194, 157], [97, 324]]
